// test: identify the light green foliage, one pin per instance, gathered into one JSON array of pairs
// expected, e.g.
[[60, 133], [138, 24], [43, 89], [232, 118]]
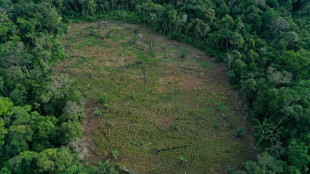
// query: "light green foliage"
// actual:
[[91, 5], [103, 99], [238, 65], [183, 159], [114, 153], [54, 160], [296, 63], [109, 123], [106, 105], [97, 113], [70, 131], [45, 128], [18, 138], [72, 112], [21, 163], [5, 111], [5, 106], [265, 164]]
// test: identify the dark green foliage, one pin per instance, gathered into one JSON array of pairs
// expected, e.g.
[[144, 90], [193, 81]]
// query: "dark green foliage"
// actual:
[[239, 132], [38, 113], [265, 45], [175, 126], [298, 154]]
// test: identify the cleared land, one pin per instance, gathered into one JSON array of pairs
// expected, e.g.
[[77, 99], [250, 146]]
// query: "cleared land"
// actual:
[[154, 101]]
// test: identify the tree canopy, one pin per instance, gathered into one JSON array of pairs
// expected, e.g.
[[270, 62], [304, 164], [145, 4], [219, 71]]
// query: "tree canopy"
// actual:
[[264, 44]]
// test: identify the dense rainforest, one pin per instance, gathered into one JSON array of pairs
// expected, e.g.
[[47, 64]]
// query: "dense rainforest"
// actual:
[[263, 43]]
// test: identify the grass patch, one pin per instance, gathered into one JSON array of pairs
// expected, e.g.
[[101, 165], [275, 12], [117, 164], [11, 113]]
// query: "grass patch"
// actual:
[[205, 63]]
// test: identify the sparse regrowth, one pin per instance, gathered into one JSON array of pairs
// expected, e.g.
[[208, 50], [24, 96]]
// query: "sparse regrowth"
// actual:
[[114, 153], [163, 102]]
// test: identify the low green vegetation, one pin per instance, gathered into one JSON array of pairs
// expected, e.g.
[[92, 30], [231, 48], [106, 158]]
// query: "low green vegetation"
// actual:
[[239, 132], [163, 111], [97, 113], [114, 153], [263, 43], [183, 159]]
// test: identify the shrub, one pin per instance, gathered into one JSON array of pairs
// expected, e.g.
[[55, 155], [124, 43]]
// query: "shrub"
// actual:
[[114, 153], [239, 132], [183, 54], [183, 159], [103, 99], [175, 126], [106, 106], [221, 107], [97, 112], [216, 126]]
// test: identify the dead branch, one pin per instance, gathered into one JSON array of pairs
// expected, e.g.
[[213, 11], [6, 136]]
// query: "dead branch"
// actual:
[[188, 166], [159, 164], [208, 130], [93, 34], [92, 115], [125, 171], [94, 152], [129, 84], [140, 145], [151, 47], [188, 69], [135, 135], [224, 116], [106, 136], [168, 149], [144, 74], [101, 22]]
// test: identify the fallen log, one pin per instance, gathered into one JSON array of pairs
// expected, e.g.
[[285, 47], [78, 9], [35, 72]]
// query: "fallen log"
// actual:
[[168, 149]]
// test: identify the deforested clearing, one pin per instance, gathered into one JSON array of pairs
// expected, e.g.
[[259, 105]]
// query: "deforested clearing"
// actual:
[[154, 105]]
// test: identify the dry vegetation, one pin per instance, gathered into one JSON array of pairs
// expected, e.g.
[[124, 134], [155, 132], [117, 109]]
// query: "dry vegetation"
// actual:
[[156, 102]]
